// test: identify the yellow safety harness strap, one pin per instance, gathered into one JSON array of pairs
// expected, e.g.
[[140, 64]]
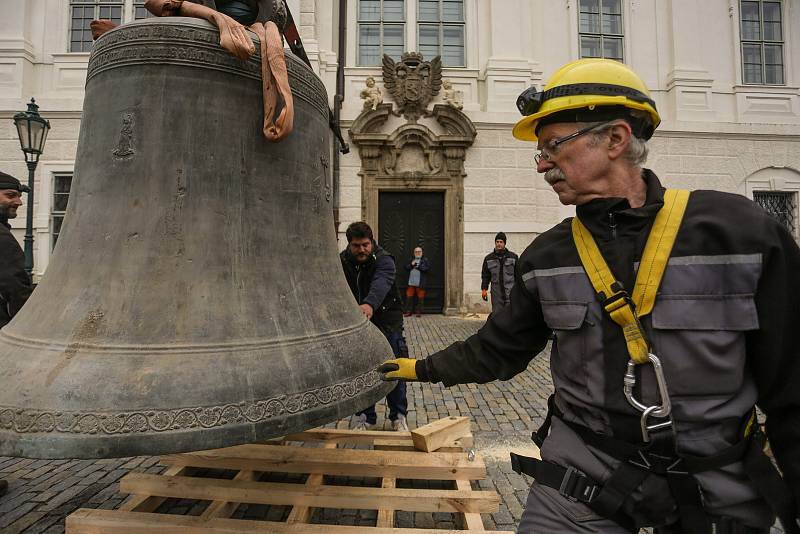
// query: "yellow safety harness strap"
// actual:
[[616, 301]]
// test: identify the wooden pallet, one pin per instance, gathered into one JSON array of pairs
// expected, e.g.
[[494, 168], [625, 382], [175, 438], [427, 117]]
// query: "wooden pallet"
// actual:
[[317, 453]]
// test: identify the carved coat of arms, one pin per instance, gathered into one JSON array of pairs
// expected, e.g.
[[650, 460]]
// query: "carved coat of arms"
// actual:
[[412, 82]]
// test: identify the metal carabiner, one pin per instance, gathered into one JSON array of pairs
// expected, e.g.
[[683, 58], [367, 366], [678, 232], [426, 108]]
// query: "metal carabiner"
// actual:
[[629, 382], [646, 429]]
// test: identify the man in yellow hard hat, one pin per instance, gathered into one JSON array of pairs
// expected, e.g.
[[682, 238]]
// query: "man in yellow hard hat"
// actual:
[[674, 315]]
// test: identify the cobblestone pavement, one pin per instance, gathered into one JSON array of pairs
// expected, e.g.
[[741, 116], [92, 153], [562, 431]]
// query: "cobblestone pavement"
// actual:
[[43, 492]]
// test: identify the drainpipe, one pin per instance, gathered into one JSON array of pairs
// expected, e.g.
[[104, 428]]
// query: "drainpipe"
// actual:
[[337, 109]]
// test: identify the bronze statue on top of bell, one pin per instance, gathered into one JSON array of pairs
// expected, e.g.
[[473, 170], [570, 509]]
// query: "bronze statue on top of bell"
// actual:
[[195, 299]]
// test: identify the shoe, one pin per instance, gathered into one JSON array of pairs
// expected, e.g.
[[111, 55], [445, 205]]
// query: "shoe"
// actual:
[[359, 422], [407, 314], [400, 424], [419, 314], [3, 487]]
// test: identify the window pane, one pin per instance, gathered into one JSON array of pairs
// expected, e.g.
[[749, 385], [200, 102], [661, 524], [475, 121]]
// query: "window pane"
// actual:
[[612, 48], [751, 25], [590, 47], [590, 23], [751, 63], [369, 44], [772, 31], [590, 6], [393, 10], [453, 50], [139, 12], [57, 221], [393, 41], [773, 64], [612, 24], [612, 7], [429, 10], [62, 184], [369, 10], [60, 202], [772, 11], [453, 10], [428, 35]]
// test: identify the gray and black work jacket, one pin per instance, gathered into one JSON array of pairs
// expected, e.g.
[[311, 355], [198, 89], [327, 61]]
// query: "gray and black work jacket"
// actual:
[[498, 268], [726, 326]]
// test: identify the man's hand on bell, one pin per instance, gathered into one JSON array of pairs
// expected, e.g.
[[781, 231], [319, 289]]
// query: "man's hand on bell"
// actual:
[[367, 310]]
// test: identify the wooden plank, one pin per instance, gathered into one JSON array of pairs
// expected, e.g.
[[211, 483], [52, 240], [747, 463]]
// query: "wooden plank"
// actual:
[[226, 508], [148, 503], [407, 445], [362, 498], [344, 462], [302, 514], [386, 515], [361, 437], [430, 437], [86, 521], [472, 522]]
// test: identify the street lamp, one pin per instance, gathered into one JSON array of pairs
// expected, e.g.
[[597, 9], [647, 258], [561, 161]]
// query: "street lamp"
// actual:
[[32, 130]]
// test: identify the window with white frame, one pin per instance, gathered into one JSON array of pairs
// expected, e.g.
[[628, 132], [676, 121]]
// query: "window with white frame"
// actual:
[[83, 12], [600, 29], [780, 204], [762, 42], [439, 28], [61, 187]]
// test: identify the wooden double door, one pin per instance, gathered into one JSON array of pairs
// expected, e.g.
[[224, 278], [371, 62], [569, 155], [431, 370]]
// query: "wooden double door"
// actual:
[[407, 220]]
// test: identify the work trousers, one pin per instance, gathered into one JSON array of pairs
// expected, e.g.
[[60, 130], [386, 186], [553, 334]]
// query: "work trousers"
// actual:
[[396, 399]]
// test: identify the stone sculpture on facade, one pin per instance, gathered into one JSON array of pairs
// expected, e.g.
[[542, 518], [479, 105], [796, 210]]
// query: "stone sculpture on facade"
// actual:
[[452, 97], [371, 94], [412, 82]]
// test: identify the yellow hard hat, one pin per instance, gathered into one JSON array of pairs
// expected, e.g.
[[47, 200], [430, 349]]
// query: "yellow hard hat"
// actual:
[[587, 90]]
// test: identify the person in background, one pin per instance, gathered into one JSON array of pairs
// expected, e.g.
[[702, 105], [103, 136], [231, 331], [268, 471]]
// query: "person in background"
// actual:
[[498, 271], [417, 269]]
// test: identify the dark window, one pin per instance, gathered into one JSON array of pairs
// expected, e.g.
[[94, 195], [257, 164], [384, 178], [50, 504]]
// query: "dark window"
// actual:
[[82, 13], [762, 42], [381, 30], [600, 29], [781, 205], [61, 187]]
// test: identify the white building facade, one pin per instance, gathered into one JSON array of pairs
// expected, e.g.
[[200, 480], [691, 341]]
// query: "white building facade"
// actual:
[[725, 75]]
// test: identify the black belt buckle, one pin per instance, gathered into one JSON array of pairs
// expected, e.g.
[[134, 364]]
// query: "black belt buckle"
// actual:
[[575, 486]]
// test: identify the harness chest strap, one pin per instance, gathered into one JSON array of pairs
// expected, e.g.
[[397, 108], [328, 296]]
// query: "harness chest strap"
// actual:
[[624, 310]]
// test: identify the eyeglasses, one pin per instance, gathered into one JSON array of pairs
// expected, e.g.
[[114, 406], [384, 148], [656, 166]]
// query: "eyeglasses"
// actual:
[[547, 152]]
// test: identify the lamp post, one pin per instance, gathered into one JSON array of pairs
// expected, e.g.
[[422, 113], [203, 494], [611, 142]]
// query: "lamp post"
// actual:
[[32, 130]]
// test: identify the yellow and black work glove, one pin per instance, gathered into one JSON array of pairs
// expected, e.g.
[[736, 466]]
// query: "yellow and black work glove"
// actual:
[[399, 369]]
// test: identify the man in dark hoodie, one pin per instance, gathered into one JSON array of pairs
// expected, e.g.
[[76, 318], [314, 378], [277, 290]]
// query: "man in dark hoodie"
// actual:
[[498, 268], [370, 273], [15, 284]]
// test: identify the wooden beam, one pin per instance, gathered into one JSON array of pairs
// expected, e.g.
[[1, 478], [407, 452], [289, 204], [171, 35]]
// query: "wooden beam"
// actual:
[[86, 521], [363, 437], [434, 435], [472, 522], [362, 498], [302, 514], [344, 462], [148, 503], [226, 508], [407, 445], [386, 515]]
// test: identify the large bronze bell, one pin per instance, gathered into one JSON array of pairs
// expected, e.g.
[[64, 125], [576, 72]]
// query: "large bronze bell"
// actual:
[[195, 299]]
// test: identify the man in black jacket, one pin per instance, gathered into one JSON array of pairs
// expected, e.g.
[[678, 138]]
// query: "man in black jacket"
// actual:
[[370, 273], [15, 284], [668, 441], [498, 269]]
